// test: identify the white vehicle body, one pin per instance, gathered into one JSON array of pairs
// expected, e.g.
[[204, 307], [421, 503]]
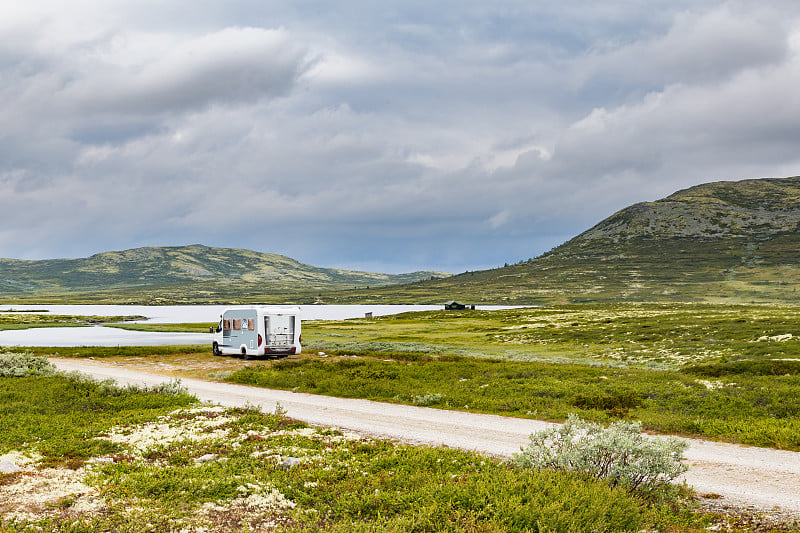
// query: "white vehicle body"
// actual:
[[258, 331]]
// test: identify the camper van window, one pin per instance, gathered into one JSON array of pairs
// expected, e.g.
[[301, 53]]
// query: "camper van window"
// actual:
[[226, 324], [237, 323], [251, 324]]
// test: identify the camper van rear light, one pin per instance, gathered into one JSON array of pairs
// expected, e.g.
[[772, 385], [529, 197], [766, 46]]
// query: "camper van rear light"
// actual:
[[292, 349], [260, 340]]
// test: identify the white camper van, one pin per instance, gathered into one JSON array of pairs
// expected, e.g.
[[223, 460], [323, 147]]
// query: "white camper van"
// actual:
[[258, 331]]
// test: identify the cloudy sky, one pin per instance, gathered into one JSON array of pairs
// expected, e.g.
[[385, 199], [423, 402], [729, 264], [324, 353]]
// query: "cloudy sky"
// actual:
[[385, 136]]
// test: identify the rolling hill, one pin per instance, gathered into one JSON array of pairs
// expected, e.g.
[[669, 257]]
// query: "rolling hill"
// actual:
[[727, 241], [181, 274], [717, 242]]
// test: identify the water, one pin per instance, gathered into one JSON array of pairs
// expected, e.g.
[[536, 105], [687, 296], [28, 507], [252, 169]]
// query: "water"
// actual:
[[97, 336], [176, 314], [167, 314]]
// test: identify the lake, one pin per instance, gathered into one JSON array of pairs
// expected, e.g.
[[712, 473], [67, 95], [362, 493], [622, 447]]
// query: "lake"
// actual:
[[168, 314]]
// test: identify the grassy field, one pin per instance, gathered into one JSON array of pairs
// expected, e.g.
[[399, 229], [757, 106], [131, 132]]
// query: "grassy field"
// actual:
[[729, 372], [663, 336], [717, 371], [24, 320], [99, 458], [169, 328]]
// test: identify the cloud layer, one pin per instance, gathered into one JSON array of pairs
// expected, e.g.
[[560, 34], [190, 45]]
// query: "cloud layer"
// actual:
[[391, 137]]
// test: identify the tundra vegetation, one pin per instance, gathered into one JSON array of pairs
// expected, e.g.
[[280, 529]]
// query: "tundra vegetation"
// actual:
[[24, 320], [716, 371], [96, 457], [725, 372]]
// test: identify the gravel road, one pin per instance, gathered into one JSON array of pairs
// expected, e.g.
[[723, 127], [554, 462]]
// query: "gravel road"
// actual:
[[742, 476]]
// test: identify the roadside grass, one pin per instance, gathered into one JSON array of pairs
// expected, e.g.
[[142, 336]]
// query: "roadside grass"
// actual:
[[61, 417], [200, 467], [750, 409], [106, 352]]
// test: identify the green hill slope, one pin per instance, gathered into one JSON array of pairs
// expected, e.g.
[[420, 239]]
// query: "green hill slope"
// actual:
[[717, 242], [181, 274]]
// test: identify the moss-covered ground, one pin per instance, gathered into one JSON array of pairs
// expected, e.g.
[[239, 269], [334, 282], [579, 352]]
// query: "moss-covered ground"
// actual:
[[96, 458]]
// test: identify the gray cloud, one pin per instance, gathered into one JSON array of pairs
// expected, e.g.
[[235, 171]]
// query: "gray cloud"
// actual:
[[699, 47], [234, 65], [394, 137]]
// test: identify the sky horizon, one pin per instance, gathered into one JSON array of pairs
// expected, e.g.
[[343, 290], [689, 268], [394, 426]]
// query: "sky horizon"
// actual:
[[388, 137]]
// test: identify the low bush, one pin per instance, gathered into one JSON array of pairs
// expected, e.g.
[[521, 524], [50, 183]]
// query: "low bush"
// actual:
[[615, 400], [620, 453], [773, 367], [17, 365], [427, 399]]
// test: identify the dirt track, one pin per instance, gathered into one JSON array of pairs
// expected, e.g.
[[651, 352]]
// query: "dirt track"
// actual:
[[742, 476]]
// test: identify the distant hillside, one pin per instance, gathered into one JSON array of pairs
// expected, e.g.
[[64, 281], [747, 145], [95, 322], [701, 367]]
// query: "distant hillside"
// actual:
[[717, 242], [723, 241], [182, 274]]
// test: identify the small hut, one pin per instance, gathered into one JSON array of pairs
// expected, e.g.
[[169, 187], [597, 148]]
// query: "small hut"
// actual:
[[453, 306]]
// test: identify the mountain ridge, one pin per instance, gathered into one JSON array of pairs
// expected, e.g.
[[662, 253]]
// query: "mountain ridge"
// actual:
[[196, 268], [723, 241]]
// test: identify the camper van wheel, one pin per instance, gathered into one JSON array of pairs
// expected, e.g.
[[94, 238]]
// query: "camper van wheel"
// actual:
[[245, 355], [215, 349]]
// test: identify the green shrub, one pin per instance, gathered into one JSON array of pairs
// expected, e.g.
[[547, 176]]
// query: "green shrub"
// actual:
[[620, 400], [427, 399], [17, 365], [773, 367], [109, 387], [620, 453]]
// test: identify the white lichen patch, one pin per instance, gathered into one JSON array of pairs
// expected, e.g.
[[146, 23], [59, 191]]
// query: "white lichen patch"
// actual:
[[714, 385], [34, 495], [257, 508], [200, 424], [777, 338], [23, 461]]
